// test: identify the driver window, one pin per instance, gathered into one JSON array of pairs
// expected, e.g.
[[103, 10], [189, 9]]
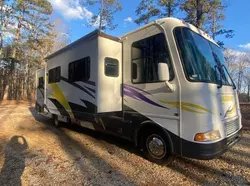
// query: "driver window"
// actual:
[[146, 54]]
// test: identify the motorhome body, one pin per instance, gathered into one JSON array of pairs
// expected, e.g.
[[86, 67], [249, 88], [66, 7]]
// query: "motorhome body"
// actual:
[[163, 86]]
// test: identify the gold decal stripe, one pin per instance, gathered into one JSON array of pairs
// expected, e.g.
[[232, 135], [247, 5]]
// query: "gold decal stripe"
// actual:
[[189, 107], [226, 98]]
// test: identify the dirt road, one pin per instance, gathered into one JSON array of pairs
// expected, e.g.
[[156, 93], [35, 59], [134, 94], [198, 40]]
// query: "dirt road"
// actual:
[[33, 152]]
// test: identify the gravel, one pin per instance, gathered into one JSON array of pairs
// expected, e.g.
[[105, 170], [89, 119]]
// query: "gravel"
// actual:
[[33, 152]]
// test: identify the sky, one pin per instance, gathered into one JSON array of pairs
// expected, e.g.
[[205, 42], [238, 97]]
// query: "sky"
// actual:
[[76, 17]]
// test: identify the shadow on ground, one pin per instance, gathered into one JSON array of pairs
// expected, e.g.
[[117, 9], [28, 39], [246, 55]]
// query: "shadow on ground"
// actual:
[[14, 162], [180, 165], [111, 139], [95, 161]]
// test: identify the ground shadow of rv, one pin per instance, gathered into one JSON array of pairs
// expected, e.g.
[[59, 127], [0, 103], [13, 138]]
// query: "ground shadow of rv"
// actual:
[[179, 165], [111, 139], [72, 147]]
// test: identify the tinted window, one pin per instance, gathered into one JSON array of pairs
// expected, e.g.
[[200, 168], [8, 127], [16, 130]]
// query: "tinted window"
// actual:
[[55, 75], [79, 70], [41, 82], [111, 67], [146, 54]]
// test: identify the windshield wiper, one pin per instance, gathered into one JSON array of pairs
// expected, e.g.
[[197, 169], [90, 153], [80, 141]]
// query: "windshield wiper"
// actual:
[[234, 86], [218, 67], [219, 70]]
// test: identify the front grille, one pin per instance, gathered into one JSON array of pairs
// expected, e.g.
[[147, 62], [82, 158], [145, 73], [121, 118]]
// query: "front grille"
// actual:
[[232, 126]]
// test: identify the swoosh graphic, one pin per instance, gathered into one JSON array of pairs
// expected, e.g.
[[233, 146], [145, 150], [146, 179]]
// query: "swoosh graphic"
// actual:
[[132, 93], [129, 86], [230, 110]]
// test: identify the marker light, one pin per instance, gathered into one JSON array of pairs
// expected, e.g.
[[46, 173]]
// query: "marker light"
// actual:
[[209, 136]]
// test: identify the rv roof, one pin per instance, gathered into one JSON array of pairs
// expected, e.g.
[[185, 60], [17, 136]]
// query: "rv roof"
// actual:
[[174, 22], [92, 34]]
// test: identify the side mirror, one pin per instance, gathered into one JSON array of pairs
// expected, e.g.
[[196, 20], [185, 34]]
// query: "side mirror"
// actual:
[[163, 72]]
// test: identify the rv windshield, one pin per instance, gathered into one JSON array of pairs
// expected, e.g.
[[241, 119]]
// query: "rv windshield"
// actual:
[[201, 58]]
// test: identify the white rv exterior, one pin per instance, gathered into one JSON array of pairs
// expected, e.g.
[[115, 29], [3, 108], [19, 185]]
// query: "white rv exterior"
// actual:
[[163, 86]]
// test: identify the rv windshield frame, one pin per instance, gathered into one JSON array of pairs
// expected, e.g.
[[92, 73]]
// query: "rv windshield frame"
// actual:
[[212, 71]]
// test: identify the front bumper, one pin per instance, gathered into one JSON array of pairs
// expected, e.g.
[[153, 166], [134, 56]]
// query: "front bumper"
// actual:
[[209, 151]]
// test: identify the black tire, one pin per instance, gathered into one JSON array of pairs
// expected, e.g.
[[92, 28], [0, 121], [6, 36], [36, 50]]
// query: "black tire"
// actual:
[[56, 122], [157, 148], [69, 121]]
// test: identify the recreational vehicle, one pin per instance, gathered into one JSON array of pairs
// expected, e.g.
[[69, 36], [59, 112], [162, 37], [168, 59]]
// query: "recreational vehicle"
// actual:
[[163, 86]]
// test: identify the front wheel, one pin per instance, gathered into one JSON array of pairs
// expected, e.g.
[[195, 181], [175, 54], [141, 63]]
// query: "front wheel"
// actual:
[[157, 148]]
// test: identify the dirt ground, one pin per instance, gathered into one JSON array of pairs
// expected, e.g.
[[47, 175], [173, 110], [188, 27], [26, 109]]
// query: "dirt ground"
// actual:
[[33, 152], [246, 124]]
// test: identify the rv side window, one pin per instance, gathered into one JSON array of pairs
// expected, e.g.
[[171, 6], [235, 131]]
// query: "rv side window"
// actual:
[[146, 54], [111, 67], [79, 70], [40, 82], [55, 75]]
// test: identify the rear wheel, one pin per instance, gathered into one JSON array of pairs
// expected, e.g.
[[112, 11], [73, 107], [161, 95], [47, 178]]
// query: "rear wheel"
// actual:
[[157, 148], [56, 122], [69, 121]]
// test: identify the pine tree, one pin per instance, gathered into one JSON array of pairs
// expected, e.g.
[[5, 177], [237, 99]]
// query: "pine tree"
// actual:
[[146, 10], [215, 16], [169, 7], [28, 22], [196, 11], [150, 9], [32, 17], [104, 18], [5, 12]]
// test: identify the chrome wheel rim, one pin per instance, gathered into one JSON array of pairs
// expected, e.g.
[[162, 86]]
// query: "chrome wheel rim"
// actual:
[[156, 146]]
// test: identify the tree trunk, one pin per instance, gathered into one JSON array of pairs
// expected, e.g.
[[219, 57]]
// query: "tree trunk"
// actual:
[[6, 94], [1, 26], [214, 25], [101, 16], [199, 14], [239, 80], [17, 39], [248, 92], [6, 85], [169, 9]]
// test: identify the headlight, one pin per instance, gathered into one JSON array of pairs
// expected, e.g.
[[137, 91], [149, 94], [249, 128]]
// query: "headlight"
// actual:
[[208, 136]]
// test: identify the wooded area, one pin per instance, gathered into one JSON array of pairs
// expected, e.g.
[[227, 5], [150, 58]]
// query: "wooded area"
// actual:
[[28, 35]]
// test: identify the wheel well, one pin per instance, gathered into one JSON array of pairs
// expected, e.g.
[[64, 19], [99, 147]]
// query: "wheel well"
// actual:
[[150, 127]]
